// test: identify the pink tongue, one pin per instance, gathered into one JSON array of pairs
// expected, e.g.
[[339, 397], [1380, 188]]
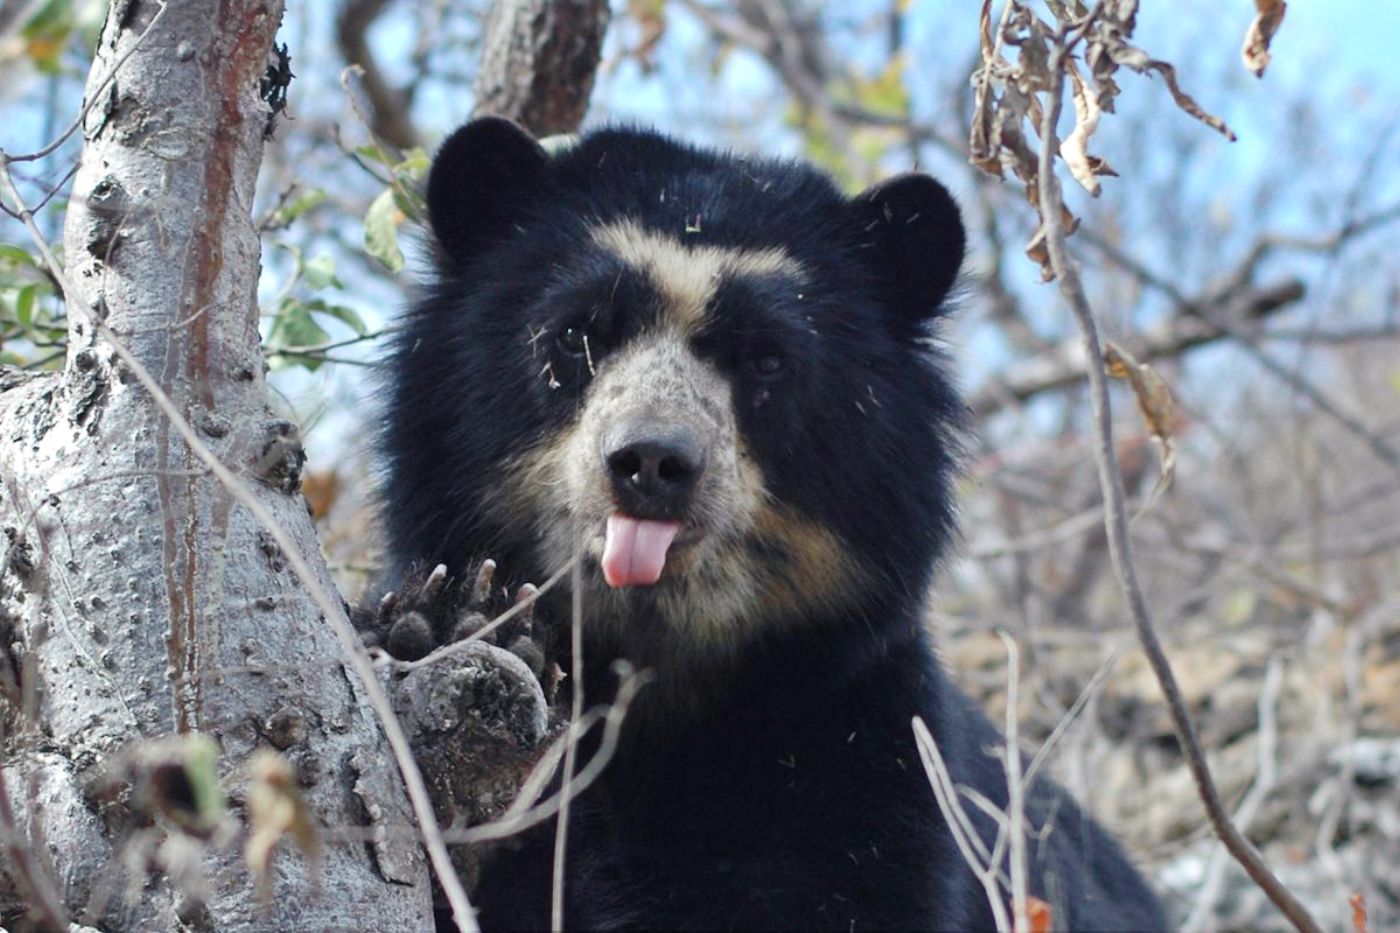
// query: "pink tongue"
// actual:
[[634, 551]]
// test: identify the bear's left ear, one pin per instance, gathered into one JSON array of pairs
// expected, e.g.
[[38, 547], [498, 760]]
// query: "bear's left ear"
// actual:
[[911, 233], [482, 176]]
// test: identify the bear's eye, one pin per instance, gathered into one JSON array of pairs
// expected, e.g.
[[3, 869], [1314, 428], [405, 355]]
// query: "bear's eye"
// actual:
[[768, 364], [573, 341]]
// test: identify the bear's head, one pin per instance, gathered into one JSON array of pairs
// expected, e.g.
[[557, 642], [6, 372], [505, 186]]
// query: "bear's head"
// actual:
[[709, 375]]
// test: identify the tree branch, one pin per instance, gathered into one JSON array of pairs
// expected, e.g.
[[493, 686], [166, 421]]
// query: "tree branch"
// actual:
[[1115, 497], [389, 120], [538, 62], [1063, 365], [1235, 284]]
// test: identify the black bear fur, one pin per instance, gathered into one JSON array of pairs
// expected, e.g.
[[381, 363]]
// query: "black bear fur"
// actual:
[[771, 780]]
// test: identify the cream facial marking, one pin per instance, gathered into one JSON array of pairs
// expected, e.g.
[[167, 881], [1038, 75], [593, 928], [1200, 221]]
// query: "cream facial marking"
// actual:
[[748, 562], [685, 275]]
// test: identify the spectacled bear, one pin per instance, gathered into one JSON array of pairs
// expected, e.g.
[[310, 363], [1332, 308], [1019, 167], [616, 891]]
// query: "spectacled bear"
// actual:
[[712, 376]]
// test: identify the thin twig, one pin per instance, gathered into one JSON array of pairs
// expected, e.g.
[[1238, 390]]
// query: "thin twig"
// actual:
[[1378, 445], [1327, 244], [1090, 690], [95, 96], [1225, 324], [391, 117], [330, 607], [561, 831], [1066, 530], [1339, 335], [1015, 789], [1115, 511], [1264, 780], [54, 189], [319, 348], [37, 888], [959, 824]]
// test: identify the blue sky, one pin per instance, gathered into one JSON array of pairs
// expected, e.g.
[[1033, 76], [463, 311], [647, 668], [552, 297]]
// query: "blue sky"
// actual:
[[1357, 36]]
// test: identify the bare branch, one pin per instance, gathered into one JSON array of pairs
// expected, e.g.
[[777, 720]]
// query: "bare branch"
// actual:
[[1115, 510], [556, 904], [1064, 364], [1213, 317], [787, 38], [1015, 826], [389, 119], [538, 62], [965, 836], [1264, 779], [94, 97]]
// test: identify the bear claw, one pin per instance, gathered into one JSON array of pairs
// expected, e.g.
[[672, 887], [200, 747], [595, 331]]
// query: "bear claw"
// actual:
[[429, 611]]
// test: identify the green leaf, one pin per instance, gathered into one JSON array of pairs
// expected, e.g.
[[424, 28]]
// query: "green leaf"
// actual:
[[1239, 608], [202, 770], [298, 205], [294, 327], [414, 163], [885, 93], [24, 306], [319, 272], [17, 255], [46, 34], [344, 315], [381, 231], [299, 328], [48, 18], [376, 154], [411, 203]]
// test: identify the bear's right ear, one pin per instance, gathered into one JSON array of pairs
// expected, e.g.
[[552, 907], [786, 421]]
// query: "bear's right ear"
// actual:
[[481, 177], [911, 233]]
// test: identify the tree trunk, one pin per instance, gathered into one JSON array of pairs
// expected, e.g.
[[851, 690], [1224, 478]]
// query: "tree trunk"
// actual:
[[141, 599], [538, 61]]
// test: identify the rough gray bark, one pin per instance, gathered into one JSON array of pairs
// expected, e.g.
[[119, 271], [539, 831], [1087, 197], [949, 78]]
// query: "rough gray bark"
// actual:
[[476, 721], [538, 61], [144, 601]]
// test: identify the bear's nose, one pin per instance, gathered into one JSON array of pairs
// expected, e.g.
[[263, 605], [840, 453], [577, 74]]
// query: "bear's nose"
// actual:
[[654, 469]]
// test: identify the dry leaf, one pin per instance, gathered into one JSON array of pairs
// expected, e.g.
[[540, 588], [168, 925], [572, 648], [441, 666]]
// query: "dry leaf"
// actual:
[[1358, 912], [322, 489], [1138, 60], [1108, 47], [1261, 32], [1158, 409], [1039, 914], [650, 17], [1075, 148], [985, 30], [1038, 251], [177, 779], [275, 810], [1007, 95]]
